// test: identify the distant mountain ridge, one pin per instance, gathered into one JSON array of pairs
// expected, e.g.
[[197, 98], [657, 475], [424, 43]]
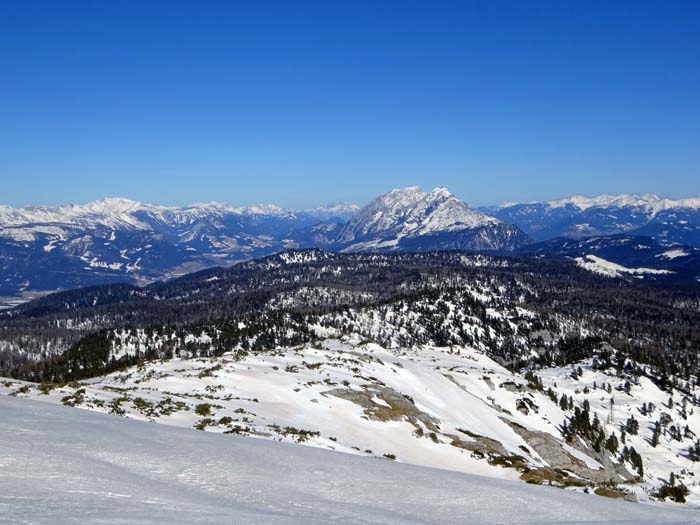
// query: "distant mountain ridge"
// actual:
[[627, 256], [120, 213], [668, 221], [121, 240]]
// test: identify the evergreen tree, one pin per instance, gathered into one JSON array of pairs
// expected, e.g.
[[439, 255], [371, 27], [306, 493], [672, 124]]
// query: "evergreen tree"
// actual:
[[656, 435]]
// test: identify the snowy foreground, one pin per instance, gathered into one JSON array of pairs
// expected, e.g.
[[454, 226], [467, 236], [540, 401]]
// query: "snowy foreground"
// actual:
[[61, 465], [448, 408]]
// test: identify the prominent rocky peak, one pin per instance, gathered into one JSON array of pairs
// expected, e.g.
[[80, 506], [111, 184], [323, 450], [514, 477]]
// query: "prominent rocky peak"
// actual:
[[413, 212]]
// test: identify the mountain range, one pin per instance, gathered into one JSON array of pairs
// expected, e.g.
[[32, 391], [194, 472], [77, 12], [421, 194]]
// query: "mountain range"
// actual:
[[669, 221], [113, 240], [119, 240]]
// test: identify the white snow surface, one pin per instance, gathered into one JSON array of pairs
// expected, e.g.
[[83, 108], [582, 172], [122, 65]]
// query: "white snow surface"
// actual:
[[61, 466], [674, 254], [282, 394], [601, 266]]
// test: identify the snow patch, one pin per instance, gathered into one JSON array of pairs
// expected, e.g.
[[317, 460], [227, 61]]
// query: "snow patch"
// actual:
[[598, 265]]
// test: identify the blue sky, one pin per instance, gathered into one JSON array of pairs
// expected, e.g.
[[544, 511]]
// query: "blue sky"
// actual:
[[303, 103]]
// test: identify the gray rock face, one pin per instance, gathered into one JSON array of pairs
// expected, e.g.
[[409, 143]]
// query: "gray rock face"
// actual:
[[552, 450]]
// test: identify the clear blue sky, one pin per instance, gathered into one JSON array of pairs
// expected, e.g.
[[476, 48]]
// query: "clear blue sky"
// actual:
[[301, 103]]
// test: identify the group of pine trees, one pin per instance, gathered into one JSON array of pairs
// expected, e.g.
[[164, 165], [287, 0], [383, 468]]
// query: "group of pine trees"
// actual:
[[591, 431]]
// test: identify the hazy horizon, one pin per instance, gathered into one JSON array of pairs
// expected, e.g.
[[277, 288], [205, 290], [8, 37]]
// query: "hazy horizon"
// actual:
[[331, 203]]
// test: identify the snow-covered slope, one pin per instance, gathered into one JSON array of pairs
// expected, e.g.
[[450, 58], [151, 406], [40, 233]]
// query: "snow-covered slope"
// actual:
[[627, 255], [410, 218], [62, 466], [599, 265], [435, 359], [669, 221], [452, 408]]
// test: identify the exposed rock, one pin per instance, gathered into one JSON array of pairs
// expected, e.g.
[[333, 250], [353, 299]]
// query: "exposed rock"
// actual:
[[393, 406], [551, 450]]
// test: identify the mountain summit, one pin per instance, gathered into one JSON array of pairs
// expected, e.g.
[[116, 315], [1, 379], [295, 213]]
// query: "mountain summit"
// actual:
[[413, 219]]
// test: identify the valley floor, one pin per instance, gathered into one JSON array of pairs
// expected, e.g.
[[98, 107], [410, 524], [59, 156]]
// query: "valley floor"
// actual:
[[61, 465]]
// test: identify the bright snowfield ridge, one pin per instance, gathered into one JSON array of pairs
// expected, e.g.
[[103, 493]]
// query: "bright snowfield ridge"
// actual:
[[74, 466]]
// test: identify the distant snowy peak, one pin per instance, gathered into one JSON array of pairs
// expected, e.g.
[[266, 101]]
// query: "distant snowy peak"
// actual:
[[119, 212], [411, 212], [265, 209], [413, 219], [339, 209], [647, 201], [114, 213], [669, 221]]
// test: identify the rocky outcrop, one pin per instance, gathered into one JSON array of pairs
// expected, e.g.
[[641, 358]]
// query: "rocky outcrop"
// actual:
[[553, 452]]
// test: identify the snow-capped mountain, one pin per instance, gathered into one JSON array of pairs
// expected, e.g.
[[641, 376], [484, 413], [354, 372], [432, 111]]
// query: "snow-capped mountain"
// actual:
[[110, 240], [120, 240], [669, 221], [123, 214], [45, 248], [412, 219]]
